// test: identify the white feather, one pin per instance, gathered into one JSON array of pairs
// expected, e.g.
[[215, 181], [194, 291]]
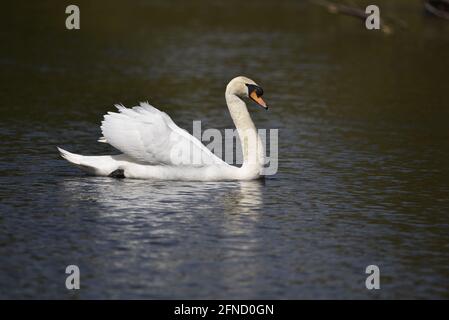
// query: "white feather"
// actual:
[[148, 135]]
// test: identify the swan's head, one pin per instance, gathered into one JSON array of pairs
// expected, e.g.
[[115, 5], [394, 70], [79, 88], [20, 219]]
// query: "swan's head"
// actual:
[[244, 87]]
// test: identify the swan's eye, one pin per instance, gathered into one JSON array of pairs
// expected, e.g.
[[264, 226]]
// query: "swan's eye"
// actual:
[[253, 88], [255, 93]]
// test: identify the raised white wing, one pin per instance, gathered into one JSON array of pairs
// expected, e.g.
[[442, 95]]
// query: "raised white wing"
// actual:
[[149, 135]]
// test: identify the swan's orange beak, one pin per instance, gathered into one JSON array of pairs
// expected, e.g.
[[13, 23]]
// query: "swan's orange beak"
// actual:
[[258, 100]]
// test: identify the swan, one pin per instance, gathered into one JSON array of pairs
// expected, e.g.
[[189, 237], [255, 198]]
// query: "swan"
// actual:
[[154, 147]]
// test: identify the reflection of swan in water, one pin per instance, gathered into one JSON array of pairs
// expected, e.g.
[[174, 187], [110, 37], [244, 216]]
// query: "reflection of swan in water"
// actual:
[[171, 232], [247, 199], [232, 197], [227, 203]]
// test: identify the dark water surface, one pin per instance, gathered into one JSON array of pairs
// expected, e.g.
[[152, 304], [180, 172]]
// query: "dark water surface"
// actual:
[[363, 152]]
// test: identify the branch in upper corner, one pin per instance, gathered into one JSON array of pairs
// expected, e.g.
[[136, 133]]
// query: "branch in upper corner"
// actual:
[[438, 8]]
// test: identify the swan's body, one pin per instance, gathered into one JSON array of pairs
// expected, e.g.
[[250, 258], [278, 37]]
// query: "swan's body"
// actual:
[[154, 147]]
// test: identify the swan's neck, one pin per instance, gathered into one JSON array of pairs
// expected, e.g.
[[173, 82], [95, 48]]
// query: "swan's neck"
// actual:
[[252, 147]]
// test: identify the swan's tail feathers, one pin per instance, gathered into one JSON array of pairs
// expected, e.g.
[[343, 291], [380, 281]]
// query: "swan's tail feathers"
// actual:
[[70, 157], [95, 165]]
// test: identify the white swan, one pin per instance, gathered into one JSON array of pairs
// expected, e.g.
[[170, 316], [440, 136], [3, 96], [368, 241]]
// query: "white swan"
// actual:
[[154, 147]]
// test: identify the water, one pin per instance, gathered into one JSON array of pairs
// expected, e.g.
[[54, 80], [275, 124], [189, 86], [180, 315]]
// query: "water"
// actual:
[[363, 157]]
